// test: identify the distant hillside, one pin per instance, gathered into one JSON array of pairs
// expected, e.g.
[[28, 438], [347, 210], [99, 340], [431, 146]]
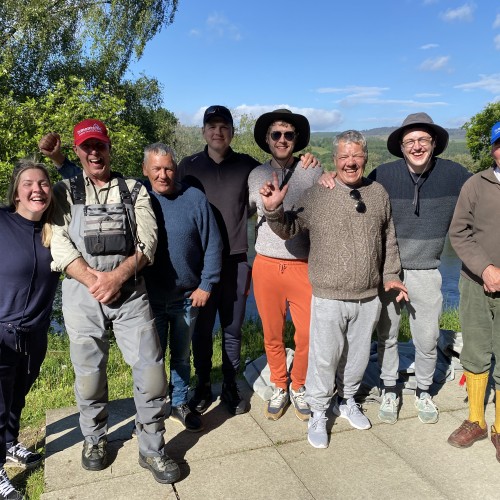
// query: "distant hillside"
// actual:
[[383, 132]]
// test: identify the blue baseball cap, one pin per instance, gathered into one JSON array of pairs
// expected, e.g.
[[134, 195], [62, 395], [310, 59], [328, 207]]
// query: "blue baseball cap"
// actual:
[[495, 132]]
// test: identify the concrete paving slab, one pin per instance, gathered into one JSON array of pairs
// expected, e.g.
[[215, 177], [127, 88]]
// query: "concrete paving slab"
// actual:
[[356, 465], [471, 473], [137, 487], [250, 457], [255, 474], [223, 435]]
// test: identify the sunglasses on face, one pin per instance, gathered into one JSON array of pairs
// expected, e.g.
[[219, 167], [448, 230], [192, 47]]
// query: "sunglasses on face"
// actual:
[[360, 204], [289, 135]]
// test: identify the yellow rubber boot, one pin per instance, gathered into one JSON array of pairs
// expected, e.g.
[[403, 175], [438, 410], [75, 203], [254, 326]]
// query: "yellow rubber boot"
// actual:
[[476, 390], [497, 411]]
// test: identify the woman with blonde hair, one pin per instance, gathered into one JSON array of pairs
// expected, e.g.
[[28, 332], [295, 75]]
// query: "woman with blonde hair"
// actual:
[[28, 289]]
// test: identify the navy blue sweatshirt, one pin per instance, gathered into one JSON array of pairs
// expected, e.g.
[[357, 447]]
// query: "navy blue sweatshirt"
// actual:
[[27, 284]]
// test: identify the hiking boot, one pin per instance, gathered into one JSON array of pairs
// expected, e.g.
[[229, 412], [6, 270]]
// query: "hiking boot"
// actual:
[[350, 410], [230, 396], [316, 429], [95, 456], [202, 399], [183, 415], [428, 412], [19, 456], [163, 468], [388, 411], [277, 404], [7, 491], [302, 410], [467, 434]]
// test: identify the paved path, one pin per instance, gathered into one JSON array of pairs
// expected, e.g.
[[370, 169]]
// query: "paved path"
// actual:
[[249, 457]]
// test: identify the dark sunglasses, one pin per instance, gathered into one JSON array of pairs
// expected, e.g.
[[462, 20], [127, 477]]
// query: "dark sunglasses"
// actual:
[[289, 135], [360, 204]]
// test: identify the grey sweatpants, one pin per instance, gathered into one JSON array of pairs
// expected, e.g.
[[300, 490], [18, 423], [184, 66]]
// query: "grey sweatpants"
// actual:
[[87, 323], [339, 347], [424, 308]]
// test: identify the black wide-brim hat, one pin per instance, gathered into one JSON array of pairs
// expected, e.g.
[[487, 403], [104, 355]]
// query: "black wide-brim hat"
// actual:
[[300, 122], [415, 120]]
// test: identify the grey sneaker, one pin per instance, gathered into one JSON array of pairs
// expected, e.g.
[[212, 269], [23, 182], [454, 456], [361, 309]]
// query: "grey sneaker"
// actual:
[[428, 412], [350, 410], [302, 410], [316, 430], [163, 468], [277, 404], [7, 491], [388, 411]]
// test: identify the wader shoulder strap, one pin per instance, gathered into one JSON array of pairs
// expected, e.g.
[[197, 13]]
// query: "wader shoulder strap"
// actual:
[[77, 189]]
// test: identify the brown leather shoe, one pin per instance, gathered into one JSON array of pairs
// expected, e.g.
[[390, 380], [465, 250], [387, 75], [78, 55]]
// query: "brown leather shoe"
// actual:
[[467, 434], [495, 439]]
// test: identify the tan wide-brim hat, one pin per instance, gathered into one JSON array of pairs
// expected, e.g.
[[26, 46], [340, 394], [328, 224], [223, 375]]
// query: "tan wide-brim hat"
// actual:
[[300, 122], [415, 120]]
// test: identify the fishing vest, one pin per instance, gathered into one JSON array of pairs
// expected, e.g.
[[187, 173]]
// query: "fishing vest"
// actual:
[[105, 234]]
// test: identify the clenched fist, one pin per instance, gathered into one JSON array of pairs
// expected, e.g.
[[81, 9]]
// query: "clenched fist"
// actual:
[[50, 146]]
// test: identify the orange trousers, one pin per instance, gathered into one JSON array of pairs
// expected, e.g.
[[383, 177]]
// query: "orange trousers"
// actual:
[[276, 283]]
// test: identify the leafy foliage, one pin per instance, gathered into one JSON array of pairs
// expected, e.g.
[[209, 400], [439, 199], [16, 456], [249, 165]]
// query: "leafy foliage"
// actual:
[[43, 40], [477, 132], [24, 123]]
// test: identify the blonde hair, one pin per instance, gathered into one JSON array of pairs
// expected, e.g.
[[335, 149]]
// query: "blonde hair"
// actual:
[[47, 217]]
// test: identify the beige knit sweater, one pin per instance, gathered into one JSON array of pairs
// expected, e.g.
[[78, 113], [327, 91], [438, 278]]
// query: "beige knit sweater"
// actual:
[[351, 253]]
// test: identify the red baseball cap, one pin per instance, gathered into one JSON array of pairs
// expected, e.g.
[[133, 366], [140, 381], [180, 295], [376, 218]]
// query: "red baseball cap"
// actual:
[[90, 129]]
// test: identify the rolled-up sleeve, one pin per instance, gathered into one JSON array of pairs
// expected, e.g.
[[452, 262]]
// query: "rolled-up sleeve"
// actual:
[[147, 229], [62, 248]]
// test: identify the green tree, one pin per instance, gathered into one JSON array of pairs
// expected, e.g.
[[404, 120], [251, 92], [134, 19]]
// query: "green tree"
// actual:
[[244, 141], [43, 40], [24, 123], [477, 133]]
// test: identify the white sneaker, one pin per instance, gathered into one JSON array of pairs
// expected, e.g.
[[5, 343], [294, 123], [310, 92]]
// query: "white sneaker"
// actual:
[[277, 404], [350, 410], [428, 412], [316, 430], [302, 410], [388, 411]]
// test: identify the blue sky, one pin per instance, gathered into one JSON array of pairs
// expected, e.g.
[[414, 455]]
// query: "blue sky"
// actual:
[[344, 65]]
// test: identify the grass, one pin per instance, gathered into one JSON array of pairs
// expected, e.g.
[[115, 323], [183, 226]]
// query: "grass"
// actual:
[[54, 387]]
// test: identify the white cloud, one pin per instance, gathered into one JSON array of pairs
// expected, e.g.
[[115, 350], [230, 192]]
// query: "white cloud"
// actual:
[[429, 46], [400, 102], [496, 23], [427, 94], [194, 32], [218, 25], [353, 90], [374, 95], [490, 83], [435, 64], [497, 42], [320, 119], [463, 13]]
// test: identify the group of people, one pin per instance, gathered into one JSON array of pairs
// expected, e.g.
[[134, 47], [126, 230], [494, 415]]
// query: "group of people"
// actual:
[[157, 261]]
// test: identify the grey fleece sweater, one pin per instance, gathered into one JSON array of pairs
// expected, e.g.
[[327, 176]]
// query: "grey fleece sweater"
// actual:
[[351, 253], [267, 243]]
